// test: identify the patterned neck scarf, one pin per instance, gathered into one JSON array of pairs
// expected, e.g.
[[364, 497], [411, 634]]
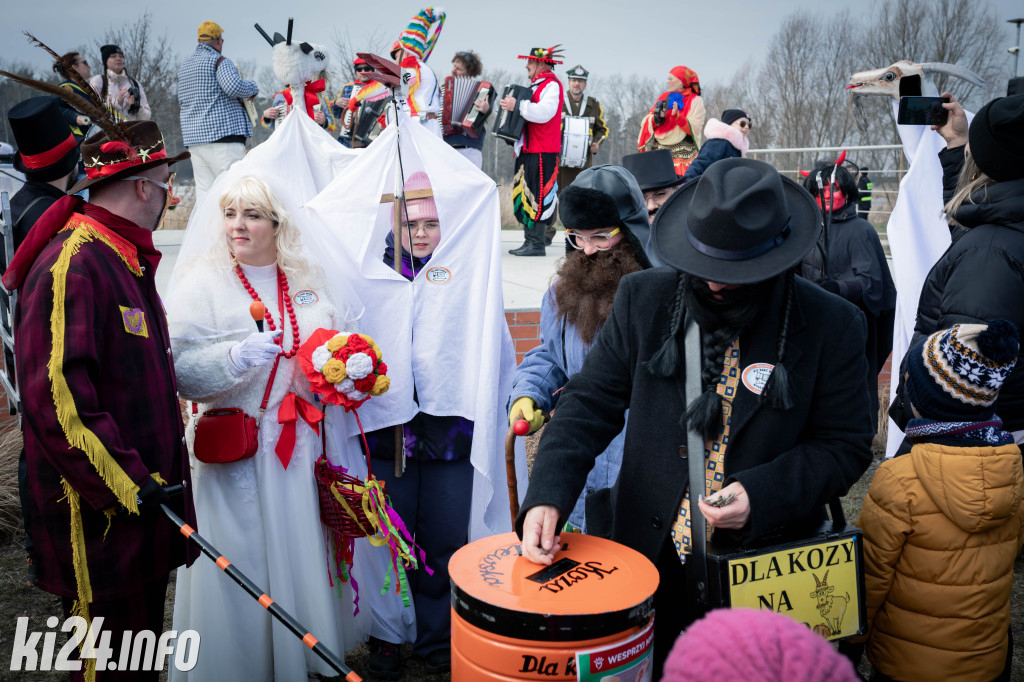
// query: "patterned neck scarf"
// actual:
[[964, 434]]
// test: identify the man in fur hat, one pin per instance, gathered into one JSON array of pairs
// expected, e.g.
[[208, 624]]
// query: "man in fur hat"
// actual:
[[783, 408], [103, 430], [606, 231]]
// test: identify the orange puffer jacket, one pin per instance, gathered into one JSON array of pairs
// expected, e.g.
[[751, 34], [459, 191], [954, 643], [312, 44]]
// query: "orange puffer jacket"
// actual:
[[942, 527]]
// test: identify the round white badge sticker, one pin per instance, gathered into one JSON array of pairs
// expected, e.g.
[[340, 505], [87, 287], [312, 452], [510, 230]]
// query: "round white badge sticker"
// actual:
[[439, 275], [756, 376], [305, 297]]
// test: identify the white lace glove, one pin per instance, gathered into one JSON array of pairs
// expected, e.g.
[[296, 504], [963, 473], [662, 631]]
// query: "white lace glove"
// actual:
[[256, 349]]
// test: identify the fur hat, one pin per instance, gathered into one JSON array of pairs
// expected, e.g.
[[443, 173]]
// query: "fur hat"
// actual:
[[997, 138], [607, 196], [955, 374], [749, 644], [415, 36]]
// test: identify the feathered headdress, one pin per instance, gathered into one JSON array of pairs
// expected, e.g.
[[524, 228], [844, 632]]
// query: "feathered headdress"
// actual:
[[548, 55], [415, 36]]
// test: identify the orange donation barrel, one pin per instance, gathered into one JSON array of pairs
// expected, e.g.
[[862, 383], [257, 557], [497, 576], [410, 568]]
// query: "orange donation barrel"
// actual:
[[587, 616]]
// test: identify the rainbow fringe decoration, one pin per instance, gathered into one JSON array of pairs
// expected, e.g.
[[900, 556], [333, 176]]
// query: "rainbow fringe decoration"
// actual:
[[414, 37], [364, 506]]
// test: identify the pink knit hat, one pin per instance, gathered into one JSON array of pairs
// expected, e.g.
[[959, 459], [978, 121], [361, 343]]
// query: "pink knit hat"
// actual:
[[423, 208], [747, 644]]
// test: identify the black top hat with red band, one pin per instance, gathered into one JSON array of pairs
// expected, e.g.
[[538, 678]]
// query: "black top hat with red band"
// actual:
[[140, 146], [46, 148]]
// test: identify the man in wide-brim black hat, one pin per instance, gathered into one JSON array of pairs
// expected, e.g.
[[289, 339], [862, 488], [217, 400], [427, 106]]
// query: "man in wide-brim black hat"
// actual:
[[784, 411], [656, 175], [103, 428]]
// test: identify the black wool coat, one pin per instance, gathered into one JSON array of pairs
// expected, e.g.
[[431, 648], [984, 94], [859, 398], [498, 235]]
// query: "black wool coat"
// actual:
[[790, 462], [980, 277]]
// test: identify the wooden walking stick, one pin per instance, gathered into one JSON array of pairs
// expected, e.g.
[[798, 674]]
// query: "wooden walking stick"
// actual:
[[259, 595]]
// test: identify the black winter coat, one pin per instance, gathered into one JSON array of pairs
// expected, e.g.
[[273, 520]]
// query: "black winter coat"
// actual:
[[980, 277], [790, 463]]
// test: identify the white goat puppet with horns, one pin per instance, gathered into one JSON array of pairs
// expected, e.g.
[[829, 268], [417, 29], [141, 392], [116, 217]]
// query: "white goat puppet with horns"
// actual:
[[302, 68], [918, 235]]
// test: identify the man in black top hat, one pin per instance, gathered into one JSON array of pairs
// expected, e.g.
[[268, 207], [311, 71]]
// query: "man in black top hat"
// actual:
[[47, 155], [783, 411], [656, 175]]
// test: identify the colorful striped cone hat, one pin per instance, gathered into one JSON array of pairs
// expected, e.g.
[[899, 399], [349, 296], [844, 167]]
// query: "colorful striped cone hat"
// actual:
[[415, 37]]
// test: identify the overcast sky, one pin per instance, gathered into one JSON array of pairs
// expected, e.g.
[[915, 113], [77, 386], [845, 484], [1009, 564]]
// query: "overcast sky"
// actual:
[[607, 36]]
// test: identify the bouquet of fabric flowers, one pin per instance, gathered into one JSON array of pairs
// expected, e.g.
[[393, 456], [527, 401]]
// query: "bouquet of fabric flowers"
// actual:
[[347, 370]]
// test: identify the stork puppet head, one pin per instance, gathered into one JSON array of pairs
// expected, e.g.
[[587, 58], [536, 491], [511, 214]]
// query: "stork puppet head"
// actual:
[[902, 79], [905, 78]]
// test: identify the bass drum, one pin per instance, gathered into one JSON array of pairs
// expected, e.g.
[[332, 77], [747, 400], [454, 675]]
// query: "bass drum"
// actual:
[[575, 141]]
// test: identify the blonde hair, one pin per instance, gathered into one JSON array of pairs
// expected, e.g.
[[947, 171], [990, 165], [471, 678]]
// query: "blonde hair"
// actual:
[[971, 180], [252, 192]]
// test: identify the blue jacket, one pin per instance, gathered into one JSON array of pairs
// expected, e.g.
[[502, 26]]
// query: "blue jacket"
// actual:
[[544, 371]]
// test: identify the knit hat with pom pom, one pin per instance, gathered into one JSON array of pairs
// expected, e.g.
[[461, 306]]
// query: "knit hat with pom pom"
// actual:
[[746, 644], [955, 374]]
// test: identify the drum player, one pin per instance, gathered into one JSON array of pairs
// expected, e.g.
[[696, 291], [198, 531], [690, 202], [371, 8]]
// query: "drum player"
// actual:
[[575, 103], [535, 183]]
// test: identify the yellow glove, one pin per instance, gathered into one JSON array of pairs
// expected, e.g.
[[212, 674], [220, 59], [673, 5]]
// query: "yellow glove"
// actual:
[[525, 408]]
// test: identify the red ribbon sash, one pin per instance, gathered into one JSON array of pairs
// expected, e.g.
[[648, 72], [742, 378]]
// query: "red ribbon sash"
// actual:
[[111, 168], [293, 407], [311, 88]]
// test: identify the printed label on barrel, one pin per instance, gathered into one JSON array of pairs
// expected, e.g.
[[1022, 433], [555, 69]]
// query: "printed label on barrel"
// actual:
[[815, 585], [629, 660]]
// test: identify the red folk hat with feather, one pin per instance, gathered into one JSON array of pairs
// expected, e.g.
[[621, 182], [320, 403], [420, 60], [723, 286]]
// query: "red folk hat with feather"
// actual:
[[548, 55], [138, 146]]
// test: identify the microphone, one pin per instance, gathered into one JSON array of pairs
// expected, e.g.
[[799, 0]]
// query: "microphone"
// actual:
[[258, 311]]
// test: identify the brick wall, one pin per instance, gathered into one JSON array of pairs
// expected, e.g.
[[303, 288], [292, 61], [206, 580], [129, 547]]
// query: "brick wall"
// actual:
[[524, 326]]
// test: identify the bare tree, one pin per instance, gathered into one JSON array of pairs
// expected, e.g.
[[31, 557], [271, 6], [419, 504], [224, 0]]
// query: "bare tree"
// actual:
[[11, 93]]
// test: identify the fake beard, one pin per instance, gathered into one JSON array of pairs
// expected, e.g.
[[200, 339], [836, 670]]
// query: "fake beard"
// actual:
[[586, 286]]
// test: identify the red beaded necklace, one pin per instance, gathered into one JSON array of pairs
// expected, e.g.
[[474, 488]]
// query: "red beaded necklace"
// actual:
[[282, 288]]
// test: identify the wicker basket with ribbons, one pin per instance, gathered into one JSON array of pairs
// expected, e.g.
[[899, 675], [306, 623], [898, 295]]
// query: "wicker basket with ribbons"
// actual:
[[347, 370]]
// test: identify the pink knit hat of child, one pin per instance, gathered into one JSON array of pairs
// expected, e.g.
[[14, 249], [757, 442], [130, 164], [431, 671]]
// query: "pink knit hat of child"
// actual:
[[423, 208], [747, 644]]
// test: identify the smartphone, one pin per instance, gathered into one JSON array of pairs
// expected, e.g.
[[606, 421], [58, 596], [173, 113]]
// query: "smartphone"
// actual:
[[922, 111]]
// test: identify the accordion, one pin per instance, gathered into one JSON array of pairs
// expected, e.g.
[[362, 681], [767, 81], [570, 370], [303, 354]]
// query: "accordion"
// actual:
[[510, 124], [367, 115], [459, 94]]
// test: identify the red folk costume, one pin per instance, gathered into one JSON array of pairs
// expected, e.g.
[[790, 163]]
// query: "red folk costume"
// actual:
[[535, 182], [675, 121], [99, 392]]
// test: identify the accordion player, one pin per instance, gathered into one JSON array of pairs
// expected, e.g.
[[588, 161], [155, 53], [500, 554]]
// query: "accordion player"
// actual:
[[458, 113], [365, 127], [510, 124]]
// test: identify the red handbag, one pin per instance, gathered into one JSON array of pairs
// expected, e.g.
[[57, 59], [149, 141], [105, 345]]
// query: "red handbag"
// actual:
[[228, 434]]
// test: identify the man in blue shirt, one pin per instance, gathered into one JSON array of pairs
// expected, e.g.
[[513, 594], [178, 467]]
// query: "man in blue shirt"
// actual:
[[214, 121]]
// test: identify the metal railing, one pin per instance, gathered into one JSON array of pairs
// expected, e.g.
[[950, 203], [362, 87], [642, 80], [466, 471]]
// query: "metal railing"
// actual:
[[885, 188], [8, 302]]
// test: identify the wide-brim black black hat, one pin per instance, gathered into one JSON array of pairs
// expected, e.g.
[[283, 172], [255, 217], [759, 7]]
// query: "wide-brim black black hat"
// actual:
[[46, 148], [740, 223], [652, 170]]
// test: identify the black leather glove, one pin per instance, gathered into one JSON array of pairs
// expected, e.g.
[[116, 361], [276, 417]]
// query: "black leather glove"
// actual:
[[829, 285], [151, 496]]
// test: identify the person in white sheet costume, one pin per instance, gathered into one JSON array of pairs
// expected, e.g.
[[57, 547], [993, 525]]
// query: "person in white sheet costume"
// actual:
[[262, 513], [441, 325]]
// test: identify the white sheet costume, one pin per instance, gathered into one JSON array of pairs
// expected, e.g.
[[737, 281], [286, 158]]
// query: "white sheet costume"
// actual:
[[446, 328], [918, 235], [263, 517]]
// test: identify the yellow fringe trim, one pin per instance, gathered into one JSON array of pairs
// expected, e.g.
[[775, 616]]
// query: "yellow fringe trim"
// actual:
[[81, 605], [78, 436]]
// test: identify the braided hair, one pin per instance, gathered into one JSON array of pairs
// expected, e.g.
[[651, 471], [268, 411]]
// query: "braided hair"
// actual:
[[704, 413]]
